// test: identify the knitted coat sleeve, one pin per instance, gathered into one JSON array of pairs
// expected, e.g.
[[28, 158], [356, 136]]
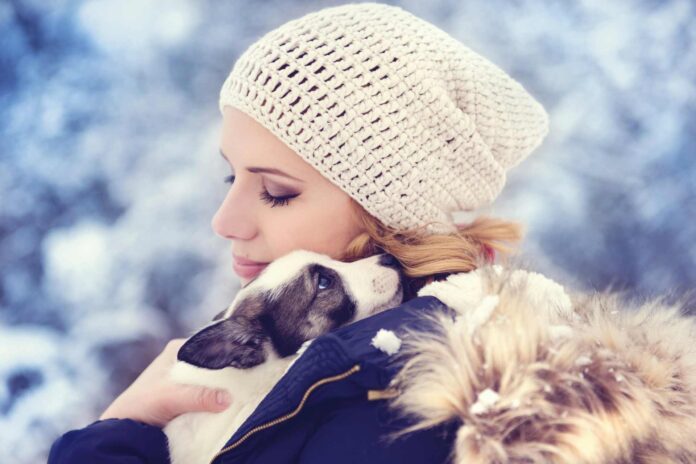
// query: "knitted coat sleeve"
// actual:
[[122, 441]]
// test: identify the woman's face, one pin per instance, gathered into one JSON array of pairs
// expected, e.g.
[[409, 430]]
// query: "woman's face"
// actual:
[[308, 211]]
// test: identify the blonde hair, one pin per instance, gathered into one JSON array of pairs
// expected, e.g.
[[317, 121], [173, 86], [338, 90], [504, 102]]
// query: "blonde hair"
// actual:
[[432, 257]]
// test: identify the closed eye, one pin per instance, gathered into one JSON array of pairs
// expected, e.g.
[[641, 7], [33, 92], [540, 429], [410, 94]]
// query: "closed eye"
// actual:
[[266, 196]]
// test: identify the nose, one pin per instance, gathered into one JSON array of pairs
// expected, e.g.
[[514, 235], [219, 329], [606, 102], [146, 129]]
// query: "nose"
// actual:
[[388, 260], [233, 219]]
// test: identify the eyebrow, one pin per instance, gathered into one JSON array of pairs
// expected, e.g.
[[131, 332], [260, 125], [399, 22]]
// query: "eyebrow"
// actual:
[[258, 169]]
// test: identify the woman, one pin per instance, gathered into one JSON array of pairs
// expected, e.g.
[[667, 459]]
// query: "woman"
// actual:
[[363, 128]]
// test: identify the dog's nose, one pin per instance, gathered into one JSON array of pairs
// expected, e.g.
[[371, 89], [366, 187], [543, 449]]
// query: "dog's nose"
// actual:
[[389, 261]]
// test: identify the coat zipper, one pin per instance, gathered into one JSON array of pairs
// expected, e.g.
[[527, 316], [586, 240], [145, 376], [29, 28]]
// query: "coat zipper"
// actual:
[[292, 413]]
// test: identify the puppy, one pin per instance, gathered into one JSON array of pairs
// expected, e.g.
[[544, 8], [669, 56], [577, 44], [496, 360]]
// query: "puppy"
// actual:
[[248, 347]]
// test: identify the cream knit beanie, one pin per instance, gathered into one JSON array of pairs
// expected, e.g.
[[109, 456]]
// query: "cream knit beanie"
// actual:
[[407, 120]]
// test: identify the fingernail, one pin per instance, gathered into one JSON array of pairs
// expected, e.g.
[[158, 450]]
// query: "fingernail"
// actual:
[[222, 397]]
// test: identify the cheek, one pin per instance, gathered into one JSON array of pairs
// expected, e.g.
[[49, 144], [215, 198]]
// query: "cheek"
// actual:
[[321, 227]]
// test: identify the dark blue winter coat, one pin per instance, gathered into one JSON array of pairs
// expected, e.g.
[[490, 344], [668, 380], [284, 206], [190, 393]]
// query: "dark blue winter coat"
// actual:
[[319, 412]]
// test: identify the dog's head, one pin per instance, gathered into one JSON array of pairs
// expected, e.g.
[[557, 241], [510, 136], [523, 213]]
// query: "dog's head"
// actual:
[[297, 297]]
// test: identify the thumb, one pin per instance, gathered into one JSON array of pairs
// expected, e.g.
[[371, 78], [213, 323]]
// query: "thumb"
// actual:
[[191, 398]]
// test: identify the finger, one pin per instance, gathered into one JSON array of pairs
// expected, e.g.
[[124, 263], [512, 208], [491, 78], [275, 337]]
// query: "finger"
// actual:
[[189, 398]]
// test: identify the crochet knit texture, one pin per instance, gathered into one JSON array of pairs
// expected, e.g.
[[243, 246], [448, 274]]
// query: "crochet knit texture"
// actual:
[[404, 118]]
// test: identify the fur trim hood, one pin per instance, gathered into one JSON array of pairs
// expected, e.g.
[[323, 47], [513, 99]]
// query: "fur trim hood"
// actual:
[[532, 374]]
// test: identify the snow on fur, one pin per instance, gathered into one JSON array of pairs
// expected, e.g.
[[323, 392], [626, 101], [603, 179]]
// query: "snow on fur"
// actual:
[[387, 341], [484, 402]]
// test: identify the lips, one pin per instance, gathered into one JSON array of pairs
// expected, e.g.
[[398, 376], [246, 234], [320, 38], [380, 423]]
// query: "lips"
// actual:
[[247, 268], [245, 261]]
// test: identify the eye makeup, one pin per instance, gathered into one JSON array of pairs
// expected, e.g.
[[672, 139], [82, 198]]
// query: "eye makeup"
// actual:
[[266, 196]]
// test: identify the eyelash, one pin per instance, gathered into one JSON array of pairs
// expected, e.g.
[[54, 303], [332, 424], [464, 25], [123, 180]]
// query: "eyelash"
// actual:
[[267, 197]]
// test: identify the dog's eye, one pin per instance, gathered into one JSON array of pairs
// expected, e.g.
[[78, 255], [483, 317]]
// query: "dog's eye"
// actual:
[[324, 281]]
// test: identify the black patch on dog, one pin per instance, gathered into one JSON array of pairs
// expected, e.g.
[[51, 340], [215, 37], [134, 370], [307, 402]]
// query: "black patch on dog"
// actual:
[[340, 311], [236, 342], [343, 313], [284, 318], [312, 304], [285, 341]]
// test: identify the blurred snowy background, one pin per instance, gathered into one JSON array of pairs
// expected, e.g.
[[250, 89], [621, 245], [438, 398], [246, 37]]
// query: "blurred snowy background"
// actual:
[[109, 172]]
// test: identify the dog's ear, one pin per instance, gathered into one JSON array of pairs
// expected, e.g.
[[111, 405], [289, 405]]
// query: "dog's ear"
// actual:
[[234, 342]]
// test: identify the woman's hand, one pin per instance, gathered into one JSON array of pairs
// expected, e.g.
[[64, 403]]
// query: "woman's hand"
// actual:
[[154, 399]]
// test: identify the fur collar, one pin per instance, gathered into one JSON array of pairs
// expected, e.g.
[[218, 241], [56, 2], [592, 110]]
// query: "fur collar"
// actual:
[[532, 374]]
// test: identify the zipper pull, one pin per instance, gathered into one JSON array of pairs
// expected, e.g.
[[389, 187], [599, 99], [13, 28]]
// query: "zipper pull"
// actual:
[[385, 394]]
